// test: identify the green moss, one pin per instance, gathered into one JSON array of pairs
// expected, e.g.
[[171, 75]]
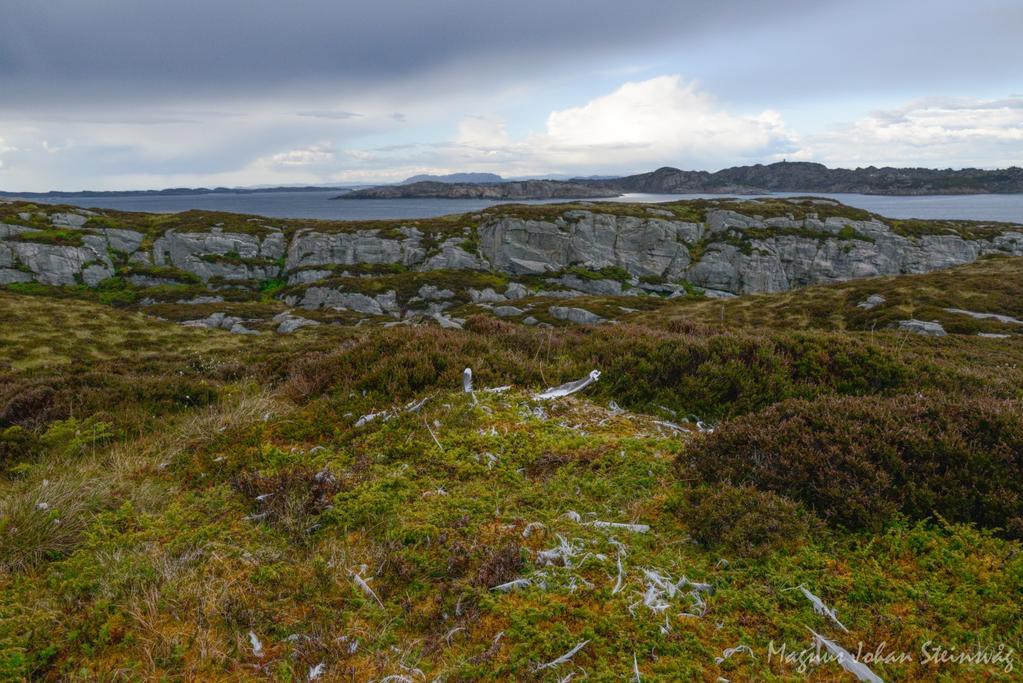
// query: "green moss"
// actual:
[[63, 238], [215, 486]]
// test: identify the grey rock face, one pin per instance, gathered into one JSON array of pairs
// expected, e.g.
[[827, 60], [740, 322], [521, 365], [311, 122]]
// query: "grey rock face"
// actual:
[[787, 261], [724, 267], [68, 220], [431, 293], [199, 300], [9, 276], [782, 254], [124, 241], [325, 297], [60, 265], [932, 329], [642, 246], [94, 274], [600, 287], [485, 296], [1004, 319], [8, 230], [562, 293], [288, 323], [453, 257], [448, 323], [507, 311], [6, 256], [872, 301], [150, 281], [516, 290], [198, 253], [304, 277], [365, 246], [220, 321], [575, 315]]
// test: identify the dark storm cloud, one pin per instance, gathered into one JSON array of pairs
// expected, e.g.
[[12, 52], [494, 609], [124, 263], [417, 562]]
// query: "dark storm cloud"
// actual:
[[133, 49]]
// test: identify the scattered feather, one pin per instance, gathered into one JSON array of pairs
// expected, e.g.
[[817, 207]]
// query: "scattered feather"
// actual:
[[820, 608], [530, 528], [858, 669], [364, 587], [569, 387], [366, 419], [563, 659], [621, 574], [257, 646], [512, 585], [562, 554], [728, 652], [638, 528]]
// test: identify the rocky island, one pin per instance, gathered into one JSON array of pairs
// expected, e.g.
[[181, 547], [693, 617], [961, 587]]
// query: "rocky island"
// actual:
[[514, 189], [740, 180]]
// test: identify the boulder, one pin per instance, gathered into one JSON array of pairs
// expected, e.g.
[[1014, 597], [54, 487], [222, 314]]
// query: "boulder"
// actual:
[[932, 329], [485, 296], [872, 301], [288, 323], [431, 293], [517, 290], [575, 315]]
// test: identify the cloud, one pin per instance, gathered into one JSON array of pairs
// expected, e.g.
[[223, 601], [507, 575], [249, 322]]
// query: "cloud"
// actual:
[[927, 132], [126, 50], [306, 156], [662, 120], [330, 115], [637, 127]]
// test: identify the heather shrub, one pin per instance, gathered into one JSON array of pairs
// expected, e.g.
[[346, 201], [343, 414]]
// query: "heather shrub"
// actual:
[[710, 375], [859, 461], [290, 499], [745, 521], [16, 445]]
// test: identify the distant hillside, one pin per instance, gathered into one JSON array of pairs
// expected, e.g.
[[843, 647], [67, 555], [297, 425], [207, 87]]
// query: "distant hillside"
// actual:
[[759, 179], [810, 177], [171, 191], [523, 189], [455, 178]]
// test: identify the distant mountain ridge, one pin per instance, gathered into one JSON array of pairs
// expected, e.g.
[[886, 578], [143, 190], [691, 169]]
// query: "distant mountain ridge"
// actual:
[[455, 178], [787, 176], [171, 191], [782, 176], [518, 189]]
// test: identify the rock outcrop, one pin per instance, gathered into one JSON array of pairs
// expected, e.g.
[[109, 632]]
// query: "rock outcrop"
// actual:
[[576, 251]]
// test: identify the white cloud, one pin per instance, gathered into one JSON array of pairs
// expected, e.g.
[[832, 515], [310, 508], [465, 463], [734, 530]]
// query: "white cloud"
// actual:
[[661, 120], [305, 156], [638, 126], [936, 131]]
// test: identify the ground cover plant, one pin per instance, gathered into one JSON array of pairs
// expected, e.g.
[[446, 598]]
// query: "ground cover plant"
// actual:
[[187, 504]]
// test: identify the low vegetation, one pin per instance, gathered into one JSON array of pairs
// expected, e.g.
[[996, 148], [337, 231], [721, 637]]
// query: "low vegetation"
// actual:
[[187, 504]]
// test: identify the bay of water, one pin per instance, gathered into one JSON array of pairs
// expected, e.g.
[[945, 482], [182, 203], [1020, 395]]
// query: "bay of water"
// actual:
[[318, 204]]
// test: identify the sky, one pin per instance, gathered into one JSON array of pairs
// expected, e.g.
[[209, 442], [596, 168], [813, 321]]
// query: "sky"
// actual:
[[140, 94]]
